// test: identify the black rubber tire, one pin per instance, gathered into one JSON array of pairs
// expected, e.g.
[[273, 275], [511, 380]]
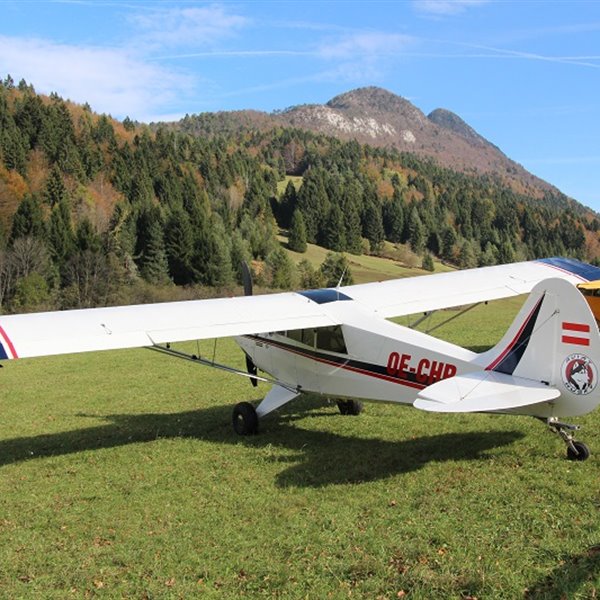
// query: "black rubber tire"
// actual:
[[245, 419], [583, 452], [350, 407]]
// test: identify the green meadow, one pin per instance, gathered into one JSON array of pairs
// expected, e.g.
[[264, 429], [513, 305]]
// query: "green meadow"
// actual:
[[121, 477]]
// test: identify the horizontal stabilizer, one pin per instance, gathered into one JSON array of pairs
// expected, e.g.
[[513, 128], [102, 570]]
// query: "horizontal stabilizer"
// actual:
[[484, 391]]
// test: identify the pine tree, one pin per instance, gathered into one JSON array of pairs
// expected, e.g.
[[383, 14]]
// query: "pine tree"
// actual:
[[416, 233], [393, 218], [151, 253], [428, 262], [335, 270], [28, 220], [55, 191], [179, 246], [373, 227], [60, 234], [281, 268], [309, 277], [333, 231], [297, 236], [287, 205], [353, 228]]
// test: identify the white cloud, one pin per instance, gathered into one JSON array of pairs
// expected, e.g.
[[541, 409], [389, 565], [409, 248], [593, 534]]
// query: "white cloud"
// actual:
[[194, 26], [446, 7], [368, 45], [111, 80]]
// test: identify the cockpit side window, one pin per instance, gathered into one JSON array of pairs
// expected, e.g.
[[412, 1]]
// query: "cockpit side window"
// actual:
[[324, 338]]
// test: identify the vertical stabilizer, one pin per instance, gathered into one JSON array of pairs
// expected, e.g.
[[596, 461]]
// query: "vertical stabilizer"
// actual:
[[554, 340]]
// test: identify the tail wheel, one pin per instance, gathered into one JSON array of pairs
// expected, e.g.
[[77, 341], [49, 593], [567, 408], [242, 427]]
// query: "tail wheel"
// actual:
[[350, 407], [578, 451], [245, 419]]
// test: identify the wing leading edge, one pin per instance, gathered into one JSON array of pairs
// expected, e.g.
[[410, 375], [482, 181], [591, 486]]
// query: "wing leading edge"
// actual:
[[64, 332], [408, 296]]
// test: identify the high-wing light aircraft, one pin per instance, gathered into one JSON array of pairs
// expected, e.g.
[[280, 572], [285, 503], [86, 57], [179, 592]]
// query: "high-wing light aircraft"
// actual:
[[338, 342]]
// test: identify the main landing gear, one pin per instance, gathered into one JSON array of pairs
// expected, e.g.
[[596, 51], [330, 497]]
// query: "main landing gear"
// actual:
[[245, 417], [350, 407], [575, 450]]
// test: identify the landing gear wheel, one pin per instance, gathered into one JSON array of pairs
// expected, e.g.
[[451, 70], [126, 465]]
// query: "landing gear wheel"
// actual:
[[350, 407], [245, 419], [578, 451]]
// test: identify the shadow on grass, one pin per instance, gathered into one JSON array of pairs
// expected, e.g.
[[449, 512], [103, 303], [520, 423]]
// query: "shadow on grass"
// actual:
[[322, 457], [569, 576]]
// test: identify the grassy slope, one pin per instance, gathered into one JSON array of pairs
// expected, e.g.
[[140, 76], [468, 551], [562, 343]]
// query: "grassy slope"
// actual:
[[121, 477]]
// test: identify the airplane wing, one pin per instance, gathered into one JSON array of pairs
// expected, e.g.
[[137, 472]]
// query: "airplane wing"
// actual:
[[484, 391], [413, 295], [64, 332]]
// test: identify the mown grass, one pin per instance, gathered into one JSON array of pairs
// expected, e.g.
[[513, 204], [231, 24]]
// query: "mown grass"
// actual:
[[365, 268], [120, 477]]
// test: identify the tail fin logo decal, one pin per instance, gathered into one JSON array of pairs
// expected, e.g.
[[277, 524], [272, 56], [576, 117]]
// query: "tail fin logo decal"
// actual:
[[579, 374]]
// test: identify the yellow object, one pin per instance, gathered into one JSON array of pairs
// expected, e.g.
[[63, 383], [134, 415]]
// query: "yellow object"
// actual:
[[591, 292]]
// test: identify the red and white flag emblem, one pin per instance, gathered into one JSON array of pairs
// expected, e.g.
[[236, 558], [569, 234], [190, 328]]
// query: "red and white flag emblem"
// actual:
[[577, 334]]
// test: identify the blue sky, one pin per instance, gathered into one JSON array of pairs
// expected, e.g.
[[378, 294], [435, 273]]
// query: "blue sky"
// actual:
[[524, 74]]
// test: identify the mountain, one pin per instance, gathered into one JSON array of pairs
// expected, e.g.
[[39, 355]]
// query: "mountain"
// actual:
[[377, 117]]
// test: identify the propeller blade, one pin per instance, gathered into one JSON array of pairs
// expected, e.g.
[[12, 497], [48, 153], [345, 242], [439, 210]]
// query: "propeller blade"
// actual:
[[252, 369]]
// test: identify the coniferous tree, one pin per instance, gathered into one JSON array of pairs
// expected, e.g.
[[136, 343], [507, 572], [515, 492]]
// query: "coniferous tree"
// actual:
[[335, 270], [287, 205], [373, 227], [212, 258], [353, 229], [297, 236], [309, 277], [416, 232], [61, 238], [281, 268], [55, 191], [28, 220], [393, 218], [179, 246], [333, 231], [427, 264], [150, 250]]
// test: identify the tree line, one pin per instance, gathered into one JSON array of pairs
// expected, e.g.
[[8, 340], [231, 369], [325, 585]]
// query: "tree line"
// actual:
[[92, 208]]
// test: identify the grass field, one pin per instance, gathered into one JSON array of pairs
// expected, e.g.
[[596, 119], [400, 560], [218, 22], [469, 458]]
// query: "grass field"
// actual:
[[120, 477]]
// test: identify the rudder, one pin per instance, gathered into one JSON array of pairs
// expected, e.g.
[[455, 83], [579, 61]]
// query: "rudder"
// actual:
[[554, 339]]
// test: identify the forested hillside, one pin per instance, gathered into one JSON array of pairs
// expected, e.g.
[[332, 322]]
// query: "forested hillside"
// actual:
[[95, 211]]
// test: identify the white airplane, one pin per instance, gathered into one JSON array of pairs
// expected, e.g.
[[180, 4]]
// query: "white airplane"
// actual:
[[338, 342]]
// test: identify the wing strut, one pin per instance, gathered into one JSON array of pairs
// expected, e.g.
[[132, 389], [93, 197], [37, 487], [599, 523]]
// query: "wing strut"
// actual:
[[460, 314], [212, 363]]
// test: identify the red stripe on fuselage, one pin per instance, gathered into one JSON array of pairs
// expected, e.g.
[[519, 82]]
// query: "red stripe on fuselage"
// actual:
[[345, 366]]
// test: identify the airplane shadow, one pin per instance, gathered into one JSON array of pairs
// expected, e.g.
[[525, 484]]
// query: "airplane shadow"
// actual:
[[319, 458], [567, 578]]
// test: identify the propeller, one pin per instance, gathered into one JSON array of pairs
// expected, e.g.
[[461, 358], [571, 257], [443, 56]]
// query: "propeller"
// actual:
[[247, 281]]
